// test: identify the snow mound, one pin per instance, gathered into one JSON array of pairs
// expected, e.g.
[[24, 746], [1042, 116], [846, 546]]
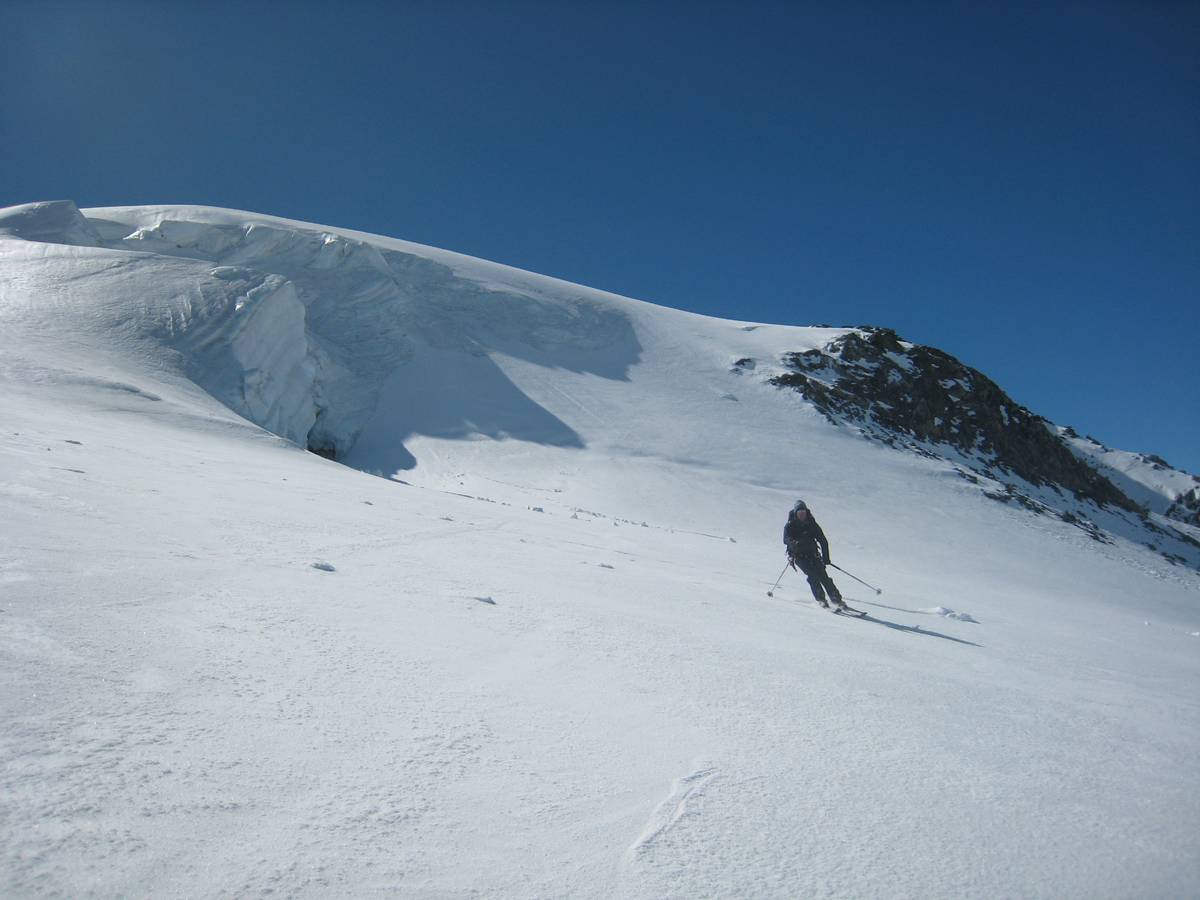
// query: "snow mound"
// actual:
[[54, 221], [946, 613]]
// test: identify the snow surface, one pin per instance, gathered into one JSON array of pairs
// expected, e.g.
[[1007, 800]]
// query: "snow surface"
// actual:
[[1144, 479], [538, 658]]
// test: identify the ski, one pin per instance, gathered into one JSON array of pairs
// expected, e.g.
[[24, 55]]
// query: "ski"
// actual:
[[837, 610]]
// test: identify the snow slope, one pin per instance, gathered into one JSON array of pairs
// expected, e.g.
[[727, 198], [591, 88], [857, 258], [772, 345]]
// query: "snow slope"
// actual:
[[1146, 478], [538, 659]]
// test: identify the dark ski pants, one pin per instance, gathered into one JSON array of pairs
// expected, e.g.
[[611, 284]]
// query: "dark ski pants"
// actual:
[[819, 580]]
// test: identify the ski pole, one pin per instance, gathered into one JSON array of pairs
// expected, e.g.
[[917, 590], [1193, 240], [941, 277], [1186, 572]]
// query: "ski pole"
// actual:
[[859, 580], [771, 592]]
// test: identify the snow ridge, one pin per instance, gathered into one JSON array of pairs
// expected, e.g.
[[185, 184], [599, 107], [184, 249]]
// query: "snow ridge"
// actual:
[[299, 329], [1150, 480], [674, 808]]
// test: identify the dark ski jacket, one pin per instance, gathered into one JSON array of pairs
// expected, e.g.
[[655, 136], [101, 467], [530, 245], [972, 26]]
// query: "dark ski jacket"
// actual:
[[805, 540]]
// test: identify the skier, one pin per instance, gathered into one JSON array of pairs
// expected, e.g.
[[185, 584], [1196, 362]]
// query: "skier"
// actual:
[[808, 550]]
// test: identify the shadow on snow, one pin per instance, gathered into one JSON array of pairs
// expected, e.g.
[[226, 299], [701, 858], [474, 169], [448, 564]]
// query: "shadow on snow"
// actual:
[[916, 629]]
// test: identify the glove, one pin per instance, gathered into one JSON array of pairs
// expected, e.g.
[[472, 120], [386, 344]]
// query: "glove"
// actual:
[[826, 561]]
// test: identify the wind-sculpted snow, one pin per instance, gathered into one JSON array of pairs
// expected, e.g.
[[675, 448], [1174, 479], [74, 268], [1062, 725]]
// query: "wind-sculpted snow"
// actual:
[[57, 222], [302, 330]]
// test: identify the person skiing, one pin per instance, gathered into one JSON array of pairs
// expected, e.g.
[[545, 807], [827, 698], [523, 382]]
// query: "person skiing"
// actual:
[[808, 551]]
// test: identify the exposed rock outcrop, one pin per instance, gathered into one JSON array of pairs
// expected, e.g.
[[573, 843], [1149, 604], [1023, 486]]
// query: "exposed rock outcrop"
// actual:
[[924, 400], [1186, 507], [921, 396]]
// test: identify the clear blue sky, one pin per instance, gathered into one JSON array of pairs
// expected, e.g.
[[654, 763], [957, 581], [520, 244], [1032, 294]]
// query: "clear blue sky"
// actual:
[[1017, 184]]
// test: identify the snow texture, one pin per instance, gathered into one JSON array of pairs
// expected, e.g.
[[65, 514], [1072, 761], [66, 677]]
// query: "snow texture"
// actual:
[[540, 659]]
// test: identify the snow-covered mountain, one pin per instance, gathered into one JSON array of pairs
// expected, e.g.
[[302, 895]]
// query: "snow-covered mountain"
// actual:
[[537, 657]]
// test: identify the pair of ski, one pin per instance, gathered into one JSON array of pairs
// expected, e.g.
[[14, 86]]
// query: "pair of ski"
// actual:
[[844, 610]]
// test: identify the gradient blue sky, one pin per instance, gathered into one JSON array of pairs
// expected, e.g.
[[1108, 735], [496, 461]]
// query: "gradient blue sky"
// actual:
[[1017, 184]]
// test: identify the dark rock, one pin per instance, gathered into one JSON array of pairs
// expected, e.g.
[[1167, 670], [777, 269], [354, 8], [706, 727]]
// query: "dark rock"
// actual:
[[921, 398], [1186, 507], [323, 450]]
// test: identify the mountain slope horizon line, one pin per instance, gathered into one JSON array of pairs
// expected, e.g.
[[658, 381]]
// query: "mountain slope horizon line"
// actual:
[[304, 329]]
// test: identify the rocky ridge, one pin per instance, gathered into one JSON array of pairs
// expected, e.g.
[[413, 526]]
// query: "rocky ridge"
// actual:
[[924, 400]]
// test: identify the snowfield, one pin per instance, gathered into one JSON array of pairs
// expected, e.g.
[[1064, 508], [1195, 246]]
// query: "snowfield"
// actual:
[[536, 657]]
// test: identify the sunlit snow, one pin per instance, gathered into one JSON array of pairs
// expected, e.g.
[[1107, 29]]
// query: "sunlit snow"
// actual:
[[536, 657]]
